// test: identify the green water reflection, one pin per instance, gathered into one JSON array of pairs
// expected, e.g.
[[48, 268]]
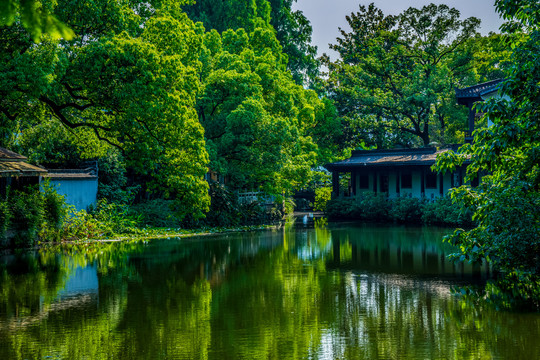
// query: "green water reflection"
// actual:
[[325, 293]]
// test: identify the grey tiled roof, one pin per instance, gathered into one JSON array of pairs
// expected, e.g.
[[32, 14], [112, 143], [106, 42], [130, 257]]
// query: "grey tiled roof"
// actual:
[[477, 91], [12, 164], [395, 157], [8, 155]]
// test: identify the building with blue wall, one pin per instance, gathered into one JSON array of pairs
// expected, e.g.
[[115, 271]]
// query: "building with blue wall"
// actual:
[[78, 186]]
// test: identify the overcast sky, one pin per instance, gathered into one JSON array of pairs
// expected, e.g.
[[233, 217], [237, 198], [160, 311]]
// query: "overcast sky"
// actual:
[[326, 16]]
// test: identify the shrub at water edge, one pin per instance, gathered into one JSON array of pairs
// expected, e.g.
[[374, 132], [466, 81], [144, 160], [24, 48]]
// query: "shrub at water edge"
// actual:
[[369, 206]]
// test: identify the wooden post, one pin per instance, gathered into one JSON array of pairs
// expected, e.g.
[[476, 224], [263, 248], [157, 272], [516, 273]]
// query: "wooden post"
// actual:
[[422, 183], [441, 184], [353, 181], [398, 175], [472, 115], [335, 183], [375, 182]]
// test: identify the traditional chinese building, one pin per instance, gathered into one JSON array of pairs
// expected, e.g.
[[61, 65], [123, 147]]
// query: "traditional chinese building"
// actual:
[[407, 172], [397, 172], [470, 95]]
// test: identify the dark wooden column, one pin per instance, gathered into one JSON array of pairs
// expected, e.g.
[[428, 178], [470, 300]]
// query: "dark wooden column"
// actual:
[[335, 183], [353, 181], [422, 182], [375, 182], [398, 178], [472, 113], [441, 184]]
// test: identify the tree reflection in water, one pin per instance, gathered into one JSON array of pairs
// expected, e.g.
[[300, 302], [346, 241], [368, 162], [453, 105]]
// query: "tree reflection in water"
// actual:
[[323, 292]]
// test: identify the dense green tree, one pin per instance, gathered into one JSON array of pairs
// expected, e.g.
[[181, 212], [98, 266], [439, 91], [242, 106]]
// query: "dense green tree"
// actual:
[[395, 77], [507, 201], [225, 15], [491, 57], [143, 82], [47, 143], [262, 129], [129, 79], [293, 30]]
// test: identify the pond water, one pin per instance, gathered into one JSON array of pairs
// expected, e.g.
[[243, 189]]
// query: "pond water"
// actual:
[[304, 292]]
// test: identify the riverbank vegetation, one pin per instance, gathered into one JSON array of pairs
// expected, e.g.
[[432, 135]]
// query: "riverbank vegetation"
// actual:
[[37, 218], [371, 207], [29, 214]]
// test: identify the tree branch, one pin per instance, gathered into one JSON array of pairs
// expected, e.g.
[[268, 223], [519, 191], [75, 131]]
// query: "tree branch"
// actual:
[[8, 115], [72, 91], [57, 111]]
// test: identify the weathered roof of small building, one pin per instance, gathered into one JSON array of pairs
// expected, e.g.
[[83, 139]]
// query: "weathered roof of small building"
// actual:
[[475, 92], [12, 164], [8, 155], [71, 174], [18, 168], [384, 158]]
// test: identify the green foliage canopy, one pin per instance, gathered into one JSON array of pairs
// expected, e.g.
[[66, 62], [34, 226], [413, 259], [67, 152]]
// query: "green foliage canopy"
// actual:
[[129, 79], [142, 80], [395, 78], [292, 29], [262, 130], [36, 16]]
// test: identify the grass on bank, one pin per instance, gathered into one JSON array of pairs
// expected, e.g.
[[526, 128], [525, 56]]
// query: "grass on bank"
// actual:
[[32, 217]]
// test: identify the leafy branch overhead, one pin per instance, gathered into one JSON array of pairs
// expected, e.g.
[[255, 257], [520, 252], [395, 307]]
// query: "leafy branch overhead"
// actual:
[[36, 16]]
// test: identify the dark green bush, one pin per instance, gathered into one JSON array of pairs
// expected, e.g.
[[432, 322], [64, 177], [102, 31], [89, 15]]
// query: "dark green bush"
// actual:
[[226, 210], [373, 207], [224, 207], [157, 213], [31, 214], [27, 213], [113, 182], [5, 218], [54, 207], [341, 209], [254, 214], [368, 206], [443, 212], [407, 210]]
